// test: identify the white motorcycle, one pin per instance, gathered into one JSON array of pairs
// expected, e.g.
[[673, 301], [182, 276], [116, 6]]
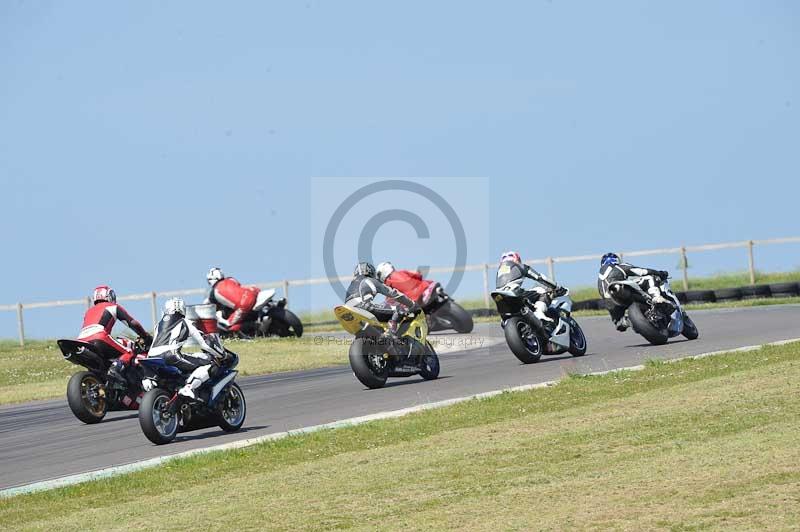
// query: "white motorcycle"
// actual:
[[656, 322], [529, 337]]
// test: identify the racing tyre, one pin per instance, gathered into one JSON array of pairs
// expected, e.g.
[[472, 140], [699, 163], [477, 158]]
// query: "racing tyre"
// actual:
[[232, 409], [460, 318], [429, 369], [285, 323], [366, 360], [85, 398], [642, 325], [159, 422], [526, 344], [690, 331], [577, 340]]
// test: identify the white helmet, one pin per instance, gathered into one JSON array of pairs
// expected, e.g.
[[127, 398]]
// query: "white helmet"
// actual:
[[385, 269], [214, 275], [175, 305]]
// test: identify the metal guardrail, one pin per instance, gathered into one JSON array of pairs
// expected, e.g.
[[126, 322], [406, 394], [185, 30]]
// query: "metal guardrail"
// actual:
[[550, 262]]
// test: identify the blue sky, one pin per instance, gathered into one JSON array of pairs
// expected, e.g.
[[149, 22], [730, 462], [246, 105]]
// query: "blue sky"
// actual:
[[142, 143]]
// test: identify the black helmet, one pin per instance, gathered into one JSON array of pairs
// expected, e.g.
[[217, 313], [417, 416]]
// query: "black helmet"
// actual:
[[364, 268], [609, 258]]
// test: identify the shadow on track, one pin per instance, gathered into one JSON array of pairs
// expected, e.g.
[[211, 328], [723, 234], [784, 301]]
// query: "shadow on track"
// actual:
[[187, 436]]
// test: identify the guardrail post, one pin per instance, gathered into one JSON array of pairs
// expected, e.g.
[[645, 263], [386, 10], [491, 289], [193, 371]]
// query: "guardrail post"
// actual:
[[486, 285], [154, 309], [88, 301], [551, 270], [20, 325], [286, 290], [751, 262], [685, 268]]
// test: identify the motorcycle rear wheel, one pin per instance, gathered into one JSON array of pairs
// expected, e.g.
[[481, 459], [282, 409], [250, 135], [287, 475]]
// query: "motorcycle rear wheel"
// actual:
[[84, 407], [644, 327], [365, 371], [158, 428], [527, 351]]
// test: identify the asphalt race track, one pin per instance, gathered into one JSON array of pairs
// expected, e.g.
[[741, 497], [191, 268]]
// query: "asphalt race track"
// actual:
[[41, 441]]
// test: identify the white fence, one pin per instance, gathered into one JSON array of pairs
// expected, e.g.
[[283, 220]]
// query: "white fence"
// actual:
[[550, 262]]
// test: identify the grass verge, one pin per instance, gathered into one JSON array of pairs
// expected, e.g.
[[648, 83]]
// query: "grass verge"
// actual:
[[706, 443]]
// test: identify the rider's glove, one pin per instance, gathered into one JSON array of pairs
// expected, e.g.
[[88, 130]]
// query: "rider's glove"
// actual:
[[559, 291], [659, 299]]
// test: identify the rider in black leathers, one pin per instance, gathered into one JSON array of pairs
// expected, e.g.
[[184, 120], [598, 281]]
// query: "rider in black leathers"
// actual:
[[612, 269], [512, 268], [363, 289]]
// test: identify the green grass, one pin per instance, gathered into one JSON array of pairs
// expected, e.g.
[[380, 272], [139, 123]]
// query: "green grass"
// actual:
[[697, 444], [38, 371]]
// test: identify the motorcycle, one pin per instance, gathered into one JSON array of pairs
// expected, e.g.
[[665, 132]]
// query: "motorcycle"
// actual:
[[163, 413], [528, 337], [375, 355], [269, 317], [91, 394], [444, 313], [656, 322]]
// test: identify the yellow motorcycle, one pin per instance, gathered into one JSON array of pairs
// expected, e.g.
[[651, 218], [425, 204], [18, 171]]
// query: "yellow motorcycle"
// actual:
[[376, 355]]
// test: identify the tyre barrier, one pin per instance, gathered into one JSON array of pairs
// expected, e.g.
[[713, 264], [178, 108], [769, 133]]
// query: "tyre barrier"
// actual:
[[784, 289], [728, 294], [756, 292], [700, 296]]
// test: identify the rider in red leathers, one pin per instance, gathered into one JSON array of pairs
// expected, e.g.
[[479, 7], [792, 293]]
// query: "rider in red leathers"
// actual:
[[407, 282], [229, 293], [98, 322]]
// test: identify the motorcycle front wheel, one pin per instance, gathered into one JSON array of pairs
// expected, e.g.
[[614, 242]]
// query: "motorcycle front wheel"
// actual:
[[232, 409], [368, 364], [429, 367], [524, 342], [689, 328], [577, 340]]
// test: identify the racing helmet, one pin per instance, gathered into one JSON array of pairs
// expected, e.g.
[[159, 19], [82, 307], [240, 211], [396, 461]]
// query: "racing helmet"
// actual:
[[364, 268], [214, 275], [175, 305], [512, 256], [609, 259], [104, 293], [385, 269]]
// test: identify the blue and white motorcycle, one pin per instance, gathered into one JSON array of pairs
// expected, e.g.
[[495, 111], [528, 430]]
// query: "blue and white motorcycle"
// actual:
[[656, 322], [163, 412]]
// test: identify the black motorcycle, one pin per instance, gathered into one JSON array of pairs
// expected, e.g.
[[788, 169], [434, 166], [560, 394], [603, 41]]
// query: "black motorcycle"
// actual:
[[93, 393], [164, 412], [269, 317], [443, 313]]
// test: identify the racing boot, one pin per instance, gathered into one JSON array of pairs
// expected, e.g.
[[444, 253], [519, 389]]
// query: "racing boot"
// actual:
[[195, 380]]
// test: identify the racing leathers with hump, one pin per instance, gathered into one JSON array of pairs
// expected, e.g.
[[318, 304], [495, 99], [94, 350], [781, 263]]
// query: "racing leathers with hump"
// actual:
[[229, 293], [512, 268], [172, 334], [98, 322], [409, 283], [365, 287], [612, 269]]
